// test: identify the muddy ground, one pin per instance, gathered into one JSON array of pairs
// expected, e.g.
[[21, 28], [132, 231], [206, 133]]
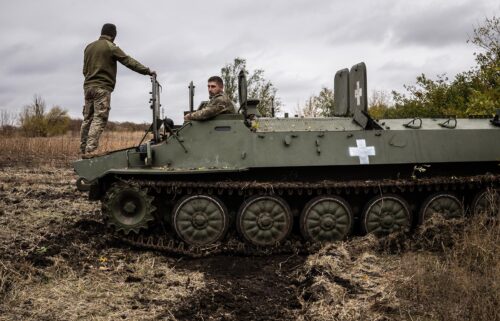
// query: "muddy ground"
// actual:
[[57, 263]]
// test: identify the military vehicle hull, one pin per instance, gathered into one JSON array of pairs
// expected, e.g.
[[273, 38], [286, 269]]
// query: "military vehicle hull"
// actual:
[[322, 178], [241, 179], [225, 144]]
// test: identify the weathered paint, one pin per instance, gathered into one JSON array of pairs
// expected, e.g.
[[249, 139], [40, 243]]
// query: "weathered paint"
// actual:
[[226, 144]]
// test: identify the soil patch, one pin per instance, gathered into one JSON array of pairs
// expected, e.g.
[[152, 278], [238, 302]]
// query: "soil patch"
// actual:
[[243, 288]]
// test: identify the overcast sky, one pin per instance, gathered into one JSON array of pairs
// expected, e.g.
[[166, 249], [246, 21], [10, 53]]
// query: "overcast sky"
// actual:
[[299, 44]]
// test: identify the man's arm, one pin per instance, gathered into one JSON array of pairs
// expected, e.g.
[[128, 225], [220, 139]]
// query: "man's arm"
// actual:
[[205, 113], [130, 62], [202, 105], [212, 109]]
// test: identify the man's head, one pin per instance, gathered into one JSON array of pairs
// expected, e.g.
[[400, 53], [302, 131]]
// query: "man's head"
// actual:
[[215, 85], [109, 29]]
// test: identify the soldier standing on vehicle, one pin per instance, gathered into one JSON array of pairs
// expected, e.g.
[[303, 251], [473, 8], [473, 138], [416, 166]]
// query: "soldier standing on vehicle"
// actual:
[[99, 69], [219, 103]]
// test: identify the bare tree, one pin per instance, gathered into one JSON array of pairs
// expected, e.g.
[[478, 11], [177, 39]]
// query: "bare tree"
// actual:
[[258, 86], [310, 109], [379, 98], [7, 122], [7, 118], [320, 105], [487, 37]]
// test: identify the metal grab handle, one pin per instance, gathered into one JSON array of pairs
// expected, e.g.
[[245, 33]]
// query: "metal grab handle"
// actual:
[[446, 123], [411, 124]]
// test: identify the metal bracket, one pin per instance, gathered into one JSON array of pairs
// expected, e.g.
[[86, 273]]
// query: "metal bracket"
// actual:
[[83, 185], [364, 120], [177, 137], [148, 161], [287, 140]]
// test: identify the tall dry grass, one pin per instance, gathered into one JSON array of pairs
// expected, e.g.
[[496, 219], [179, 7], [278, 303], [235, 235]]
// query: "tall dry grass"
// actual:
[[446, 270], [459, 282], [58, 151]]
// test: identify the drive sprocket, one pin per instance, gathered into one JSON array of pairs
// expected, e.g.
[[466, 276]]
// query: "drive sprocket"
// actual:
[[128, 207]]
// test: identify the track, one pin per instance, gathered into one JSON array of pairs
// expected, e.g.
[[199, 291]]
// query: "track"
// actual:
[[232, 247], [326, 186], [161, 241]]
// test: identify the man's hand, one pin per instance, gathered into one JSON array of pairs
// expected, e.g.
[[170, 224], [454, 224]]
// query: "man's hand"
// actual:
[[152, 73], [187, 117]]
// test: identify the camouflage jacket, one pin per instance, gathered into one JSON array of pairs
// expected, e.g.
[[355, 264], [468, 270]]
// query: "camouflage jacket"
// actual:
[[218, 104], [99, 64]]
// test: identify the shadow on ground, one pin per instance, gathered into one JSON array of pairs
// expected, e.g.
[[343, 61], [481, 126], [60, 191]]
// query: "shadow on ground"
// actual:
[[243, 288]]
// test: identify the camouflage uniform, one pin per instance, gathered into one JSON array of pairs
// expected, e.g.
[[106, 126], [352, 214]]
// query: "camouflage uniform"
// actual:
[[99, 69], [218, 104], [95, 117]]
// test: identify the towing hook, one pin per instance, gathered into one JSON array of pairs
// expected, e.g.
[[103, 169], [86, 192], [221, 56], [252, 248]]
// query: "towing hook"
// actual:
[[82, 184]]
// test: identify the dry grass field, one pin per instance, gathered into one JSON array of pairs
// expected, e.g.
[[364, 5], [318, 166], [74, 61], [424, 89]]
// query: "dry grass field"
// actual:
[[58, 151], [58, 263]]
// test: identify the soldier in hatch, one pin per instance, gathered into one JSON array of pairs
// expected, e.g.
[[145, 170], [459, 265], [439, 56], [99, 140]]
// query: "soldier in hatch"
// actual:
[[99, 69], [219, 102]]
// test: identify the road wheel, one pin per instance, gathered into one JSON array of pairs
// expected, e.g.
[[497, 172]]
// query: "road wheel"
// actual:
[[444, 204], [326, 219], [386, 214], [200, 219], [264, 220], [486, 201]]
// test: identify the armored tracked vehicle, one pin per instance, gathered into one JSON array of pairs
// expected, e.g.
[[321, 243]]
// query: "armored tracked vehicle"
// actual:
[[269, 181]]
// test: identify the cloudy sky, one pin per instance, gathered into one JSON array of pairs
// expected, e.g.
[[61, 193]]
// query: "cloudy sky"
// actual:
[[299, 43]]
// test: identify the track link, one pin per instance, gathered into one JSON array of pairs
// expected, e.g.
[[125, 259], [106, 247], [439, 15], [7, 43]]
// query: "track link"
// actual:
[[231, 247]]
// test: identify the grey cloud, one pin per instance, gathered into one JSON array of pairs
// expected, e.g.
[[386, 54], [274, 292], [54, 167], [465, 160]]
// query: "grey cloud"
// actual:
[[20, 59], [32, 68], [300, 44], [437, 25], [14, 49], [404, 23]]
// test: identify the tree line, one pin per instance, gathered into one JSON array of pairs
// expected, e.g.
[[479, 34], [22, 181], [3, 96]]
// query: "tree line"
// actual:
[[36, 120], [475, 92]]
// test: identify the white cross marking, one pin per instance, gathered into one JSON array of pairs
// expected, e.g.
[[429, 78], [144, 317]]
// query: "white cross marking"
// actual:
[[362, 151], [358, 92]]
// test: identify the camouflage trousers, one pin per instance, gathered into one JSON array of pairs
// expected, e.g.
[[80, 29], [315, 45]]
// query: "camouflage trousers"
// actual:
[[95, 117]]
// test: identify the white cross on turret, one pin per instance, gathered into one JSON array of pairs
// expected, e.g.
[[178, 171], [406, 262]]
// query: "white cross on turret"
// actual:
[[362, 151], [358, 92]]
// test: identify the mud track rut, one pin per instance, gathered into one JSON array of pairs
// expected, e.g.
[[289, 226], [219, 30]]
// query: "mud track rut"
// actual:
[[50, 234], [58, 263]]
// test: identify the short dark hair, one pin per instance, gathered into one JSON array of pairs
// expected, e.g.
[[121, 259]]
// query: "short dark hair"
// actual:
[[216, 79], [109, 29]]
